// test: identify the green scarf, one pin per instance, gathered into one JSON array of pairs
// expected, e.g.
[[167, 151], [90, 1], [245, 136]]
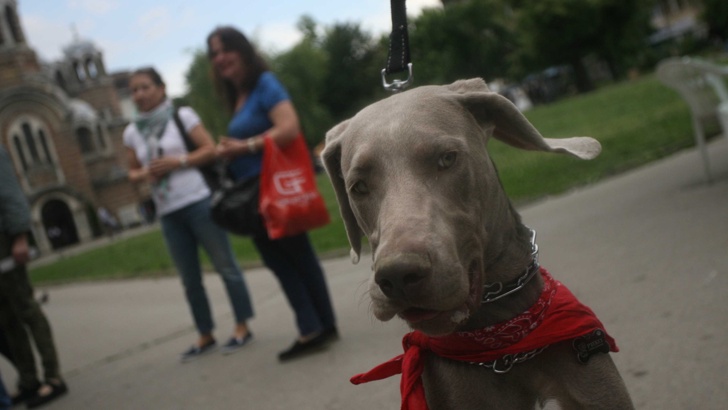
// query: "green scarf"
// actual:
[[152, 124]]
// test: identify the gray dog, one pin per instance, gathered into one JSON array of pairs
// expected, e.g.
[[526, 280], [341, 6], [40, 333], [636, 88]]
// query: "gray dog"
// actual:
[[492, 329]]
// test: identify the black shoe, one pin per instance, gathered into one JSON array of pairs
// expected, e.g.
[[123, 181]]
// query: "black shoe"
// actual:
[[299, 348], [196, 351], [234, 344], [330, 335], [58, 389], [24, 395]]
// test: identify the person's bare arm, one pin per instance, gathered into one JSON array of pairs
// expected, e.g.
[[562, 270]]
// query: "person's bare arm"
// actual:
[[285, 128], [204, 153], [20, 249], [137, 173], [285, 124]]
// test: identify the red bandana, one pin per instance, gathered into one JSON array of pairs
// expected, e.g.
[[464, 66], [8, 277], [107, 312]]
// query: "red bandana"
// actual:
[[555, 317]]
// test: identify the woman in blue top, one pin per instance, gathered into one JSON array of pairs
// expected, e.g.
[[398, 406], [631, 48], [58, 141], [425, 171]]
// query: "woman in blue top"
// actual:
[[260, 106]]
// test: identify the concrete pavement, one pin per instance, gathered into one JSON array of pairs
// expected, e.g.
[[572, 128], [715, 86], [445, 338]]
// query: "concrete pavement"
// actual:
[[647, 250]]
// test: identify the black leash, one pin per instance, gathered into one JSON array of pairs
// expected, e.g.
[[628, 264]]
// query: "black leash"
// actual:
[[398, 59]]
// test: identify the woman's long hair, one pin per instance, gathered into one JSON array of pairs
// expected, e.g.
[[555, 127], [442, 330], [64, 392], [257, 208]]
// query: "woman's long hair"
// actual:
[[233, 40]]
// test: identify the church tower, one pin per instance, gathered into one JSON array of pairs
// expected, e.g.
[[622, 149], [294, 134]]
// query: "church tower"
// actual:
[[62, 125], [16, 58], [82, 74]]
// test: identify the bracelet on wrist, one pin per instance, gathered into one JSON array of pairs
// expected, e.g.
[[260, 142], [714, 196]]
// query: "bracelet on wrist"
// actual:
[[251, 145], [183, 161]]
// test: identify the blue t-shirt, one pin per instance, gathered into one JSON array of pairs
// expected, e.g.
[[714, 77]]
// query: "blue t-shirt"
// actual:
[[253, 119]]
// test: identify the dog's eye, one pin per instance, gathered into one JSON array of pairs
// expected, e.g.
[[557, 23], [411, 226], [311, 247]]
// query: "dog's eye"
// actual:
[[447, 160], [360, 187]]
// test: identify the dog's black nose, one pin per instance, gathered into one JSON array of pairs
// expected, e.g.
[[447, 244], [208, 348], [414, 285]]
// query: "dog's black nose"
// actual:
[[399, 276]]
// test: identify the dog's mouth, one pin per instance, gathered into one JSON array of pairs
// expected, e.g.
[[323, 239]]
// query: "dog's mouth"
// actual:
[[416, 315], [423, 318]]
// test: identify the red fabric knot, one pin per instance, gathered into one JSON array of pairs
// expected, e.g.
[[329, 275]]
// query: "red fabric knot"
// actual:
[[555, 317]]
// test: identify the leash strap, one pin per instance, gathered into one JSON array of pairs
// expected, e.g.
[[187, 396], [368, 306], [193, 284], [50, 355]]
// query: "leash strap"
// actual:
[[398, 59]]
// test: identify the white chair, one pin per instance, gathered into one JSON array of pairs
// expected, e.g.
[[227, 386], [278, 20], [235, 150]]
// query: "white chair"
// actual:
[[702, 86]]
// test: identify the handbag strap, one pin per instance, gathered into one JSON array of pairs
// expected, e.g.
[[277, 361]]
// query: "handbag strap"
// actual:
[[189, 144], [216, 173]]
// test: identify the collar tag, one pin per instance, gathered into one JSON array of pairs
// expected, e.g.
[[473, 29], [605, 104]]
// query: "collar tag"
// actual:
[[588, 345]]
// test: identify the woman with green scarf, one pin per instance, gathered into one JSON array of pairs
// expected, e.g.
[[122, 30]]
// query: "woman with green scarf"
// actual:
[[156, 154]]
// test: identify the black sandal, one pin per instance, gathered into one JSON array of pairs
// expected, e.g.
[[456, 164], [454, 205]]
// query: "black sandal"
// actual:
[[58, 389], [24, 395]]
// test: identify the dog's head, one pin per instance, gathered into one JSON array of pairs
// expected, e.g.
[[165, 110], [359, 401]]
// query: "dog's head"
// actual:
[[412, 173]]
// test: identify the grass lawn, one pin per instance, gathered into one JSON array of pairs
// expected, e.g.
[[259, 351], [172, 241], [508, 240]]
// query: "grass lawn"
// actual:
[[636, 122]]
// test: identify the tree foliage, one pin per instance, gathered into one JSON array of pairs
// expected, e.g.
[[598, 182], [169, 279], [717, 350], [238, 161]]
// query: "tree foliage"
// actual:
[[715, 15], [302, 71], [352, 74], [466, 39], [334, 71], [202, 97], [557, 32]]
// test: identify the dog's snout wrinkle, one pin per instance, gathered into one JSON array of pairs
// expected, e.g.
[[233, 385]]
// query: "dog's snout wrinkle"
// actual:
[[398, 275]]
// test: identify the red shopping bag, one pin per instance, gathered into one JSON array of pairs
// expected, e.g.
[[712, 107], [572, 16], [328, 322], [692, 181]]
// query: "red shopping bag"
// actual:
[[289, 199]]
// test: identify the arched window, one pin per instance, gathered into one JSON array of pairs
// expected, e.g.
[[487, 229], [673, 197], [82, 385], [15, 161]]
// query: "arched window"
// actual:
[[21, 153], [85, 140], [91, 69], [44, 145], [80, 71], [30, 142]]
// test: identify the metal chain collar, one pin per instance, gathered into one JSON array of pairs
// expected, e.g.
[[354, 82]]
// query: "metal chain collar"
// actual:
[[505, 363], [497, 290]]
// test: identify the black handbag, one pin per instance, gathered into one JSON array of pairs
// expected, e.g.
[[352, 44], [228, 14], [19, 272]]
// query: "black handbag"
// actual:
[[234, 207]]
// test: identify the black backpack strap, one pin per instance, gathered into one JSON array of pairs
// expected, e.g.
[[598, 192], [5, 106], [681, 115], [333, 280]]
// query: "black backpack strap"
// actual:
[[189, 144], [215, 172]]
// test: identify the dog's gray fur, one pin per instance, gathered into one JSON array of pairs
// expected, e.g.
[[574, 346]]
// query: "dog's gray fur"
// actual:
[[412, 174]]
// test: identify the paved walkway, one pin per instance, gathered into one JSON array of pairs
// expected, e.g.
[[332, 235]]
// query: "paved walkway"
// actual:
[[648, 251]]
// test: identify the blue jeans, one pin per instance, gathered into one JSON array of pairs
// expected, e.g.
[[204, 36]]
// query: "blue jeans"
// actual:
[[299, 272], [5, 402], [184, 230]]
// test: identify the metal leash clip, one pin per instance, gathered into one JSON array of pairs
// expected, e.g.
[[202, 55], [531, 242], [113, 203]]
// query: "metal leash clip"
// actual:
[[397, 85]]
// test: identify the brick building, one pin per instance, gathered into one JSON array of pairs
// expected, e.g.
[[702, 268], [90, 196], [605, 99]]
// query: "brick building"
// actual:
[[62, 124]]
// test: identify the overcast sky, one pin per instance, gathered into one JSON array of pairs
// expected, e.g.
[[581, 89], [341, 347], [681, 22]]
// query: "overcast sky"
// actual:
[[164, 33]]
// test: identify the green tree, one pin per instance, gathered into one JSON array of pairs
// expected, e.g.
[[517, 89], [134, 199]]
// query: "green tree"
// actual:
[[465, 39], [624, 26], [202, 97], [715, 15], [352, 74], [557, 32], [302, 69]]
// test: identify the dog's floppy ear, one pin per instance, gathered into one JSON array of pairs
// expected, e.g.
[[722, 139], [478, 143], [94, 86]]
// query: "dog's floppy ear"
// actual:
[[332, 163], [468, 86], [512, 127]]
